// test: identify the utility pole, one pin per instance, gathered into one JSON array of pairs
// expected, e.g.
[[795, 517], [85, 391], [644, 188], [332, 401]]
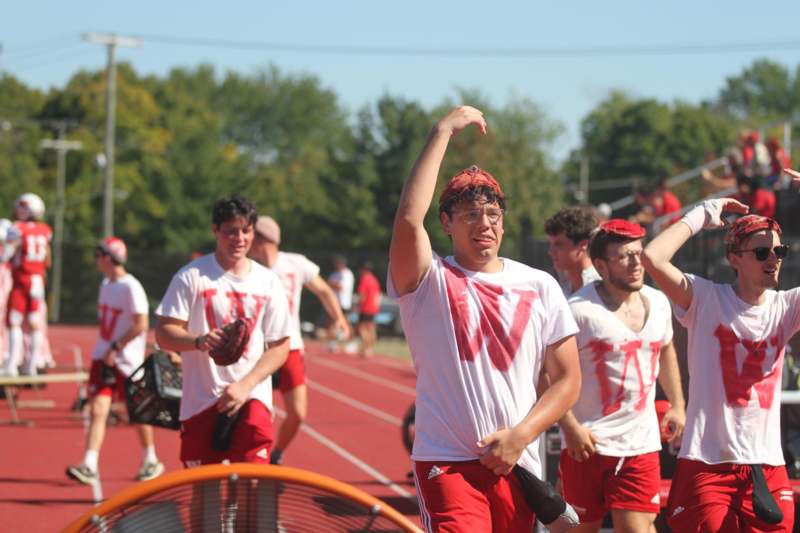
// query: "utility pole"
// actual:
[[111, 42], [61, 146], [584, 178]]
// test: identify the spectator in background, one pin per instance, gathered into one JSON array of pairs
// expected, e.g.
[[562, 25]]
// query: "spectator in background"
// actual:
[[369, 302], [760, 199], [5, 288], [727, 177], [341, 280], [602, 212], [656, 202], [667, 201], [778, 160], [755, 156], [568, 234]]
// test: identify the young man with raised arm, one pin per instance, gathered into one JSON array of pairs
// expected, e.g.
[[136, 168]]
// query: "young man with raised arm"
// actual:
[[730, 474], [481, 328], [609, 461]]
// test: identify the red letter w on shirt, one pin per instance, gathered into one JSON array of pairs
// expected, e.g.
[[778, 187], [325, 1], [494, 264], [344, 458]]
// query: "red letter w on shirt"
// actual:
[[739, 384], [501, 344], [108, 321], [236, 307]]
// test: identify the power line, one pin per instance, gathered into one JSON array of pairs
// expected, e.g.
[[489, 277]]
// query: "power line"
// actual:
[[574, 52], [38, 47], [71, 52]]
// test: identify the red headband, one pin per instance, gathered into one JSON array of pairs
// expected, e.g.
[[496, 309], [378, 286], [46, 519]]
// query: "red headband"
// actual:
[[467, 178], [622, 228], [746, 226]]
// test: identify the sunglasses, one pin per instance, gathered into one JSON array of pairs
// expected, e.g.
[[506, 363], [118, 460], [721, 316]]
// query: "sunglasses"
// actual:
[[762, 252]]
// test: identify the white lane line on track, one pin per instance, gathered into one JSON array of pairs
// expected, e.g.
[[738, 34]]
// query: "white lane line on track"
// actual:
[[365, 376], [352, 459], [386, 417]]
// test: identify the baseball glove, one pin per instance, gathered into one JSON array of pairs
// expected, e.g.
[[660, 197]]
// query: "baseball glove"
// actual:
[[236, 339]]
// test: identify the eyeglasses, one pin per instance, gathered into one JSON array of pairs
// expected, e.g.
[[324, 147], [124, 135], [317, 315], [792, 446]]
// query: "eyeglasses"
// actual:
[[627, 256], [762, 252], [474, 215]]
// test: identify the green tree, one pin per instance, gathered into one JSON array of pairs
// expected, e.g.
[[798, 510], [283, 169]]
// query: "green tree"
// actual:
[[764, 90]]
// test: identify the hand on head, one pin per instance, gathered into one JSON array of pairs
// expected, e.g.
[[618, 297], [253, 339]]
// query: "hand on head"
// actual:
[[795, 175], [715, 208], [461, 117]]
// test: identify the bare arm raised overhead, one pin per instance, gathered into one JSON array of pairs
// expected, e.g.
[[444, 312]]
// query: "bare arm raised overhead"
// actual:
[[658, 254], [410, 251]]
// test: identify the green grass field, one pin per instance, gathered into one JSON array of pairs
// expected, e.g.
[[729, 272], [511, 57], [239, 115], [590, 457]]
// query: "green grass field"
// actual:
[[393, 347]]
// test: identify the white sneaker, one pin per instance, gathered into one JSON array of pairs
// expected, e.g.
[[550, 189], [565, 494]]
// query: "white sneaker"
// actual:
[[82, 473], [10, 372], [150, 471], [351, 347]]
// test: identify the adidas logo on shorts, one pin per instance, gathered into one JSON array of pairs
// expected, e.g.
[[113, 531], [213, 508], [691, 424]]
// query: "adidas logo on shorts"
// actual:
[[435, 471], [656, 499], [262, 453], [678, 510]]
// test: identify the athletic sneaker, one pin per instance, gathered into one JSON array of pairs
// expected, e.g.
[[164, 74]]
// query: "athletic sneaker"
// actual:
[[150, 471], [82, 473]]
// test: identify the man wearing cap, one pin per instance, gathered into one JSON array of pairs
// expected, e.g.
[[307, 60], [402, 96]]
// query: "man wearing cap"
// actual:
[[295, 272], [611, 436], [568, 234], [730, 474], [122, 310], [480, 329]]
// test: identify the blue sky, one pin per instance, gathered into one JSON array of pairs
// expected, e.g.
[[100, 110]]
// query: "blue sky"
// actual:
[[42, 46]]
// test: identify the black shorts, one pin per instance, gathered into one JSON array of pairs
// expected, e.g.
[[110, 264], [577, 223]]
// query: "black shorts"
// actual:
[[366, 317]]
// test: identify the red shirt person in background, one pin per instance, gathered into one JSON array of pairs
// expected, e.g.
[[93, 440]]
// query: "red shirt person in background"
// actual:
[[760, 200], [655, 202], [369, 303]]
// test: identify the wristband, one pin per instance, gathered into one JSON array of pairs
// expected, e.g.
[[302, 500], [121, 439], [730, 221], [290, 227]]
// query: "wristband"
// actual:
[[115, 346], [198, 341], [695, 219]]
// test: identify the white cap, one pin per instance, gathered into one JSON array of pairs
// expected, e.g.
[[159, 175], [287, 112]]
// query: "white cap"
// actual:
[[269, 229]]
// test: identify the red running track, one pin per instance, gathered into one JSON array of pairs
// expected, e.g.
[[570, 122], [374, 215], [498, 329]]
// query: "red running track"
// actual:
[[352, 434]]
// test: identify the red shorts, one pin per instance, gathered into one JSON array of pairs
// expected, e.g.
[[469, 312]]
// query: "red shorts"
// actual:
[[601, 483], [468, 497], [706, 497], [293, 372], [251, 441], [27, 294], [98, 387]]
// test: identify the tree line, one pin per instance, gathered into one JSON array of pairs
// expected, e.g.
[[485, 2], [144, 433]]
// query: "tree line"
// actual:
[[331, 177]]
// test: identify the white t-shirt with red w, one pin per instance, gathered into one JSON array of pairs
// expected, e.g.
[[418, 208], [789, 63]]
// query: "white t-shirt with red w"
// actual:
[[118, 303], [207, 297], [735, 367], [478, 342], [619, 368], [294, 271]]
